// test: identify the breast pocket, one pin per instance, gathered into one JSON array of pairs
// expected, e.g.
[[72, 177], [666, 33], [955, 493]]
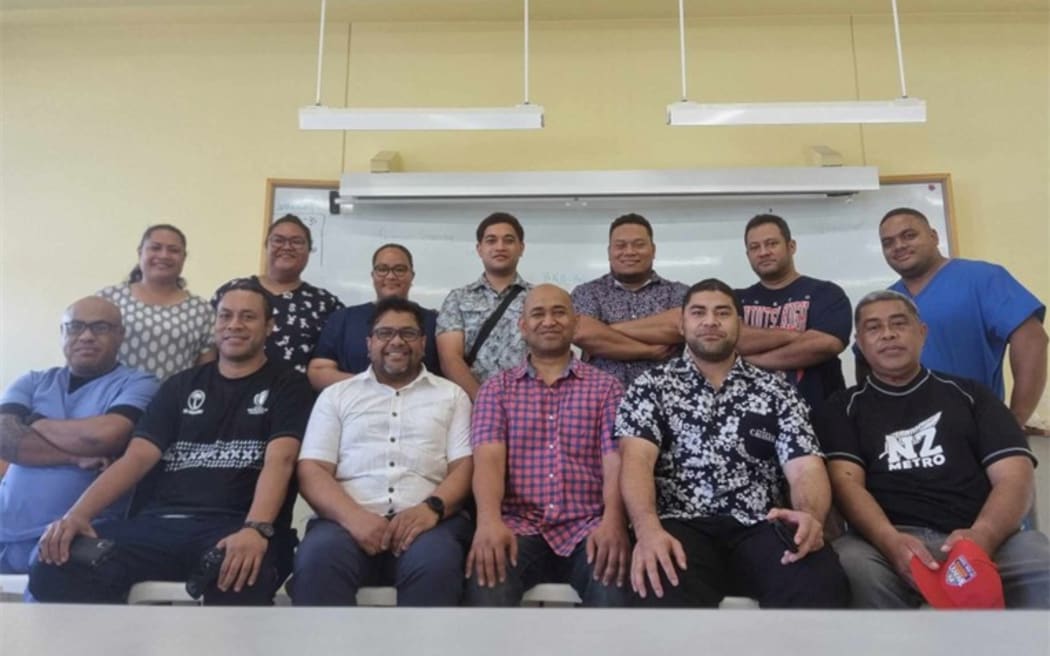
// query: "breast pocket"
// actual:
[[759, 433]]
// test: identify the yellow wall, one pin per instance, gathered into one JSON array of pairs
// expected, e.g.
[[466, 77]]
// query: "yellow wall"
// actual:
[[110, 127]]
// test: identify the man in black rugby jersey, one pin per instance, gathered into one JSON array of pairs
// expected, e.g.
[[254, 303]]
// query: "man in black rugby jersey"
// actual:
[[920, 460]]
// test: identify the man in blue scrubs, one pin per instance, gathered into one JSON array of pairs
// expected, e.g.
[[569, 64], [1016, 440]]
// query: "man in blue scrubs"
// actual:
[[973, 310], [57, 427]]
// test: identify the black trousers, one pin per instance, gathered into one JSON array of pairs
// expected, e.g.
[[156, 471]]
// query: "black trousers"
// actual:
[[726, 558]]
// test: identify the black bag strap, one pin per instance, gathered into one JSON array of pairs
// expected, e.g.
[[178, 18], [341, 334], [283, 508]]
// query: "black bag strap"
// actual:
[[490, 323]]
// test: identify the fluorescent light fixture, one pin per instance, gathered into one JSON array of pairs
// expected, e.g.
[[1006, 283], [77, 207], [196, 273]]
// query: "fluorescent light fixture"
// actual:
[[436, 187], [901, 110], [521, 117]]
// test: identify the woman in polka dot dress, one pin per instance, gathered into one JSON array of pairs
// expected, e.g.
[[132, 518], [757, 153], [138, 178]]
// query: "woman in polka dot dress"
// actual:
[[167, 328]]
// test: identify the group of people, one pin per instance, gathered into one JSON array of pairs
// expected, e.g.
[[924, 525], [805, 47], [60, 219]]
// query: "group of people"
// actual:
[[691, 446]]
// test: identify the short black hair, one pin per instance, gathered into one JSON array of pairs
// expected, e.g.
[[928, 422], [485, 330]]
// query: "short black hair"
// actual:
[[906, 211], [294, 220], [395, 304], [495, 219], [631, 219], [248, 285], [399, 247], [763, 219], [714, 285]]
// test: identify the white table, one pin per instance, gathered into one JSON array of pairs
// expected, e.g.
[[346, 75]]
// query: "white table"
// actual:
[[38, 629]]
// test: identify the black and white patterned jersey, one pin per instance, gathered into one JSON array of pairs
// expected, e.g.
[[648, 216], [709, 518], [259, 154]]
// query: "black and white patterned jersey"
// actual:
[[213, 432], [721, 453]]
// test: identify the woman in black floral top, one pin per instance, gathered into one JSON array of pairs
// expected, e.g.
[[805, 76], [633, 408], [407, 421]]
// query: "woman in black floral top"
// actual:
[[300, 310]]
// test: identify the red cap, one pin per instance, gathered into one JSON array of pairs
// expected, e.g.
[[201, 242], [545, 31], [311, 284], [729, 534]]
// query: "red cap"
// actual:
[[967, 579]]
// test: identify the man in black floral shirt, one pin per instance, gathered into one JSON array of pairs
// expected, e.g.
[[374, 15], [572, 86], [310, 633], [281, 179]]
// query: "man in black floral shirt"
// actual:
[[722, 475]]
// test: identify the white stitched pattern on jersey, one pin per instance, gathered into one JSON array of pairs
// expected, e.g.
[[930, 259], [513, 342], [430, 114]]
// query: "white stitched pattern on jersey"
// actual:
[[235, 454]]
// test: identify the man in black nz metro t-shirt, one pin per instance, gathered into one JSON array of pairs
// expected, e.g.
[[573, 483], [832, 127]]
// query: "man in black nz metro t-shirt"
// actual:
[[222, 440], [919, 460]]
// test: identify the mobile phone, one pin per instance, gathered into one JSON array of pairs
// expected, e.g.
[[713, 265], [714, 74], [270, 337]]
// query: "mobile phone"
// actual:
[[786, 533], [91, 552]]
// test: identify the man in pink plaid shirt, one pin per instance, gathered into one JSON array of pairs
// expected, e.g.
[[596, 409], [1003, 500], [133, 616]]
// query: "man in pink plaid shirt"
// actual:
[[546, 470]]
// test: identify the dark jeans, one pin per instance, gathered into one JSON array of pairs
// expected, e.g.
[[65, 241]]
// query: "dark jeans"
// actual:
[[155, 548], [724, 557], [330, 567], [537, 563]]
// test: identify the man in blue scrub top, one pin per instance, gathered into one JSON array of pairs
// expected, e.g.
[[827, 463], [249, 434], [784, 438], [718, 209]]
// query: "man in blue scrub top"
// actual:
[[973, 310], [57, 427]]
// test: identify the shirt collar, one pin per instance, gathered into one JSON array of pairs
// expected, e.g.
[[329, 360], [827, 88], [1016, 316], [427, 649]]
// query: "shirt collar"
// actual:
[[424, 377], [684, 366], [654, 279], [574, 368], [483, 283]]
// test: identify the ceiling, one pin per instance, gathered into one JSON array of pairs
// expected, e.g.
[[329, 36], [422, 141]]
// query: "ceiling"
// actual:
[[31, 11]]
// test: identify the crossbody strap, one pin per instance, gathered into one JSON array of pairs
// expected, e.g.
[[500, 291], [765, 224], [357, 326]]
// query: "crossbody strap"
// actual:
[[490, 323]]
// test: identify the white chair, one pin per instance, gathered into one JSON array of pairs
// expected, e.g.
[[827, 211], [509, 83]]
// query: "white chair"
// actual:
[[13, 586], [161, 593], [377, 596], [555, 595]]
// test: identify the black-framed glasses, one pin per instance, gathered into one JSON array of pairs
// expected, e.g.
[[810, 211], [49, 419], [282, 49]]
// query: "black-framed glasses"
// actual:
[[398, 271], [98, 328], [280, 241], [406, 334]]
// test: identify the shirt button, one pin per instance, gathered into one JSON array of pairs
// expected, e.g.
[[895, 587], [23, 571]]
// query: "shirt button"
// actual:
[[391, 463], [551, 475], [550, 446], [390, 490], [393, 439], [394, 413], [550, 417], [551, 506]]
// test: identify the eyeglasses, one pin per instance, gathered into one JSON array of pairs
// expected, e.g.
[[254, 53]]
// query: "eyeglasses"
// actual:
[[97, 328], [277, 241], [406, 334], [382, 270]]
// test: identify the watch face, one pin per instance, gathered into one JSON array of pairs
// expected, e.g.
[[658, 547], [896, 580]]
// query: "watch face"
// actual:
[[264, 528], [437, 505]]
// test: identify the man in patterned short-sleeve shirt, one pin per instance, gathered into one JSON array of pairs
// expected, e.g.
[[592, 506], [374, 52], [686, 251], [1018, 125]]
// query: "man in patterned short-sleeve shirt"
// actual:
[[628, 317], [708, 444], [501, 243]]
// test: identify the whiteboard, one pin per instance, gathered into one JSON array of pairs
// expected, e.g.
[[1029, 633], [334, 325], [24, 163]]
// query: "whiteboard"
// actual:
[[565, 241]]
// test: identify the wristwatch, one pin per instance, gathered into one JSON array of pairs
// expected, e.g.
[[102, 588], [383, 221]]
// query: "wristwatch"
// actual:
[[265, 528], [437, 505]]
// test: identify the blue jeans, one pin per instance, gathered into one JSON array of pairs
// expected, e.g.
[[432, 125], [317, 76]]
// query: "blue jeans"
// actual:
[[537, 563], [330, 566], [1023, 561], [155, 548]]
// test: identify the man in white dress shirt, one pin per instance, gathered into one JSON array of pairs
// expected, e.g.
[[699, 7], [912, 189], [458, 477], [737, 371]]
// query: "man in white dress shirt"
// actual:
[[386, 464]]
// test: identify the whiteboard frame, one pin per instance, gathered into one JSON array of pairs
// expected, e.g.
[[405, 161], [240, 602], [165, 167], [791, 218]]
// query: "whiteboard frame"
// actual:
[[944, 179]]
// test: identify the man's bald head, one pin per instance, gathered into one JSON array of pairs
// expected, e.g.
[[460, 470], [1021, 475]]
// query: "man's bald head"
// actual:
[[92, 331], [548, 321]]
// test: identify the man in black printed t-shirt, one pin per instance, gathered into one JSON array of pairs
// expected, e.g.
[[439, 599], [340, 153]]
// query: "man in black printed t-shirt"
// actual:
[[920, 460], [793, 323], [222, 440]]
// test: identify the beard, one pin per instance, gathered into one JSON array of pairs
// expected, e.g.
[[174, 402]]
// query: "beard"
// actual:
[[712, 351]]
